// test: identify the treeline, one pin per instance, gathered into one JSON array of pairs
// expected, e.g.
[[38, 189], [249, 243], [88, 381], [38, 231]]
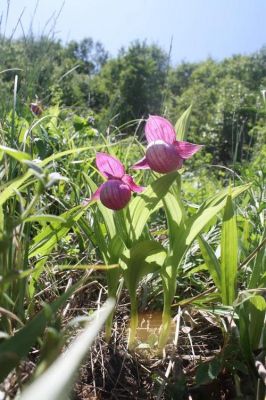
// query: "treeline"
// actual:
[[228, 105]]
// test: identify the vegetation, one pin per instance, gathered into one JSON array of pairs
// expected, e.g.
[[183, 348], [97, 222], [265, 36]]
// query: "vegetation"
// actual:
[[184, 258]]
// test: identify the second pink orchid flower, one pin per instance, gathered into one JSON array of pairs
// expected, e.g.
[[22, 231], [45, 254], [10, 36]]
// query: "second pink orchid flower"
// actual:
[[115, 193]]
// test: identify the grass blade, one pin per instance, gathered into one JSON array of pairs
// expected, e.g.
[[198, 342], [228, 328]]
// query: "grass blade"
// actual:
[[55, 385], [17, 347], [47, 238]]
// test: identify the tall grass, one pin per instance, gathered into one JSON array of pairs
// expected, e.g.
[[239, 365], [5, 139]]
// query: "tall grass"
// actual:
[[201, 244]]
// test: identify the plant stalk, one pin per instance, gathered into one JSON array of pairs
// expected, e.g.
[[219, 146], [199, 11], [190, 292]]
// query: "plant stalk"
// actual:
[[132, 335]]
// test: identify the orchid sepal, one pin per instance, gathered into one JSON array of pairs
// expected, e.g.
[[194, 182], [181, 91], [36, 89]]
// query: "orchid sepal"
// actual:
[[159, 128], [141, 164], [132, 184], [109, 166], [186, 149]]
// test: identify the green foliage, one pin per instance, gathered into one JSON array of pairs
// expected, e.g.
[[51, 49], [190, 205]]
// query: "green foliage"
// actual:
[[228, 114], [188, 236], [17, 347], [52, 385]]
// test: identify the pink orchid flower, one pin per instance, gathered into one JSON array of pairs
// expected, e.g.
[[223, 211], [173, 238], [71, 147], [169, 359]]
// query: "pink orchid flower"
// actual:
[[164, 153], [115, 193]]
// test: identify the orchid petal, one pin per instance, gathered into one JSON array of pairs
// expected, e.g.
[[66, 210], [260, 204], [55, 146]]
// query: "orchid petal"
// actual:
[[132, 185], [163, 157], [141, 164], [109, 166], [115, 194], [158, 128], [185, 149]]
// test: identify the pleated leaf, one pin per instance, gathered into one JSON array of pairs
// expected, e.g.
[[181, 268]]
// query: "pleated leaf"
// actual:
[[211, 261], [229, 253], [143, 258], [144, 205], [182, 124]]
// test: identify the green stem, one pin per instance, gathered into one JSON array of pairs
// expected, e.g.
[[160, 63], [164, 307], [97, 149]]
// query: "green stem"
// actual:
[[133, 322], [114, 285], [169, 286], [166, 325], [108, 327]]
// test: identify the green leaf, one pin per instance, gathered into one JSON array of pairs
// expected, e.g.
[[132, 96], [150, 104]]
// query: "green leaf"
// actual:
[[180, 243], [256, 318], [115, 248], [45, 218], [229, 254], [10, 190], [182, 124], [209, 209], [175, 212], [244, 328], [211, 261], [258, 276], [45, 241], [258, 302], [183, 240], [17, 155], [2, 220], [55, 385], [17, 347], [143, 258], [143, 206]]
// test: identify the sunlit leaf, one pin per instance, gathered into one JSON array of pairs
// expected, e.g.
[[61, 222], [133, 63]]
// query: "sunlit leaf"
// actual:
[[229, 254], [144, 205], [47, 238], [258, 302], [144, 257], [44, 218], [182, 124], [17, 155]]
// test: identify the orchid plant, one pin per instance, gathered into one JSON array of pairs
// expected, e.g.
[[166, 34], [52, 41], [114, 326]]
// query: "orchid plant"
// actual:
[[126, 241]]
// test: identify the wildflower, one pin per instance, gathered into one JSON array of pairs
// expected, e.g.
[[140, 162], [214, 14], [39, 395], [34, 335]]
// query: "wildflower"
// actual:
[[164, 153], [36, 108], [115, 193]]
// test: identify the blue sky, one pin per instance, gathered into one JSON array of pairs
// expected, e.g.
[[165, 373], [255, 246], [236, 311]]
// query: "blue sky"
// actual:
[[200, 28]]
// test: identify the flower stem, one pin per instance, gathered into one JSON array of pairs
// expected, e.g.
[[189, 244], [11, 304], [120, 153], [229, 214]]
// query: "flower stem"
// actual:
[[108, 327], [166, 325], [133, 322], [169, 286]]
